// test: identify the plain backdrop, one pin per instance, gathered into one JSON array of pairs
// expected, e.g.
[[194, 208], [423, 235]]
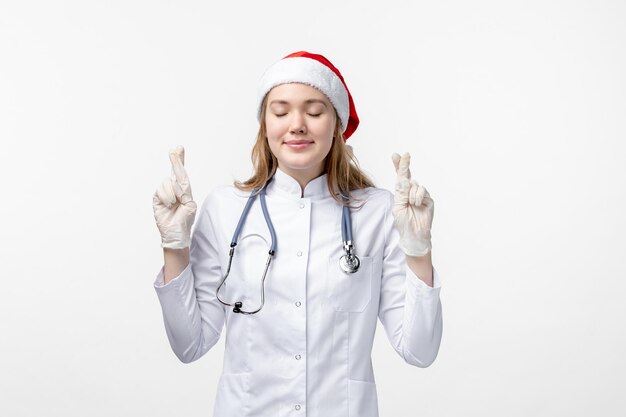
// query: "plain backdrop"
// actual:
[[513, 112]]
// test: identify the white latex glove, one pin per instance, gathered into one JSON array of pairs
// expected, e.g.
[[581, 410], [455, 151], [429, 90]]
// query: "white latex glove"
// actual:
[[174, 208], [413, 210]]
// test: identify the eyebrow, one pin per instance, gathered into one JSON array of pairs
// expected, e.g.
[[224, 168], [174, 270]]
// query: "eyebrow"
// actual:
[[309, 101]]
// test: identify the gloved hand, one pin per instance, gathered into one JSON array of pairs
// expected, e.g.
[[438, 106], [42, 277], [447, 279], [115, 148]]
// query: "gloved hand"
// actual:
[[413, 210], [174, 208]]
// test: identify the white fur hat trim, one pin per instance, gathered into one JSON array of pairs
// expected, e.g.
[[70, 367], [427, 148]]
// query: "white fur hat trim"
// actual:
[[307, 71]]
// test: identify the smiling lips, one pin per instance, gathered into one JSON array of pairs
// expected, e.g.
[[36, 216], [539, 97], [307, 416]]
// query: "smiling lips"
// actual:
[[298, 143]]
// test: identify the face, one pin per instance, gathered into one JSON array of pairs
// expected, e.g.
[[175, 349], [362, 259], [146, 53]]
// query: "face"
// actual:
[[300, 121]]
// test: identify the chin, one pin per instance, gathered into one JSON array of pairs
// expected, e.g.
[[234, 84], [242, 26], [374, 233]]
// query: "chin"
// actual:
[[301, 165]]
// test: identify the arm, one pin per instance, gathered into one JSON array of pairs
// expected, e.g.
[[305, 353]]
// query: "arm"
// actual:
[[409, 309], [192, 314]]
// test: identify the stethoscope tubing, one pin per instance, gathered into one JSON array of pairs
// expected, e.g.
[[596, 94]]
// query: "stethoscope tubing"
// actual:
[[244, 216], [349, 262]]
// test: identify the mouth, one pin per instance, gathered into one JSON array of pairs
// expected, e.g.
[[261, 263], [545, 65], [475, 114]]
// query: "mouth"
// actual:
[[298, 143]]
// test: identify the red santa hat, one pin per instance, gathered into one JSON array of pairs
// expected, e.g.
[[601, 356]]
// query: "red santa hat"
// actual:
[[316, 71]]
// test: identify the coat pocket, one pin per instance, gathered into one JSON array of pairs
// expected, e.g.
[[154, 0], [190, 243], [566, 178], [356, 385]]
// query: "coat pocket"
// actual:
[[349, 292]]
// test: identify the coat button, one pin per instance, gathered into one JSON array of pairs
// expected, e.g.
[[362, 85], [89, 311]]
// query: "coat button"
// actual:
[[298, 357], [297, 406], [301, 205], [298, 303], [299, 253]]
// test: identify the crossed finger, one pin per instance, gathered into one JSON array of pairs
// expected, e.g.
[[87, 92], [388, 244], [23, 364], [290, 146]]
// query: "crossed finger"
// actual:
[[401, 164], [177, 157]]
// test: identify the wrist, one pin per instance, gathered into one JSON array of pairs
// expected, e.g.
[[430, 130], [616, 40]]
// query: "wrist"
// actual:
[[422, 266]]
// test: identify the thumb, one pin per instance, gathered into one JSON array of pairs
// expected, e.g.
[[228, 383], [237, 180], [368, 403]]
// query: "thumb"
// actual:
[[183, 194]]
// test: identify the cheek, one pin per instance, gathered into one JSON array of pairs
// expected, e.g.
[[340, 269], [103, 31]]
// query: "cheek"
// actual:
[[271, 139], [324, 127], [274, 129], [331, 126]]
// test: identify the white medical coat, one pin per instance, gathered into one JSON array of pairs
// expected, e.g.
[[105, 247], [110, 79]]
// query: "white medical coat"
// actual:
[[308, 351]]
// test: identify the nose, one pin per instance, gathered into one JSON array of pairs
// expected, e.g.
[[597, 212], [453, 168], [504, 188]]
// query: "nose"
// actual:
[[298, 124]]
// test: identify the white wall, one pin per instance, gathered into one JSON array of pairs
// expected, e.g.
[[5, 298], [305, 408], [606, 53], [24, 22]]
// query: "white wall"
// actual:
[[513, 113]]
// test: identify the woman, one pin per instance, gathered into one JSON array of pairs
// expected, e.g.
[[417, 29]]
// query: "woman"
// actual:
[[299, 320]]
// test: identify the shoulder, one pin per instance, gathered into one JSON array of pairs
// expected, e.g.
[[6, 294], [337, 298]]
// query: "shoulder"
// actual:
[[224, 197], [374, 198]]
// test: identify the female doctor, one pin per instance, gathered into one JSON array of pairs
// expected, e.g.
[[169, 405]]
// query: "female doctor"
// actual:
[[300, 260]]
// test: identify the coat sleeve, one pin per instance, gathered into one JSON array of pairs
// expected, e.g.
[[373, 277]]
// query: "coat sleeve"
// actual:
[[409, 309], [192, 314]]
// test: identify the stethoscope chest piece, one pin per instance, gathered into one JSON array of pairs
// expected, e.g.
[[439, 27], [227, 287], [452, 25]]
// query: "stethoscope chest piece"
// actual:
[[349, 264]]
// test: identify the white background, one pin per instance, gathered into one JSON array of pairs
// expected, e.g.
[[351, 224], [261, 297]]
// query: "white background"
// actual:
[[513, 112]]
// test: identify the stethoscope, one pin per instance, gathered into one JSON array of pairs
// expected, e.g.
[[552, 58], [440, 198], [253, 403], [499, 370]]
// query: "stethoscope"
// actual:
[[349, 262]]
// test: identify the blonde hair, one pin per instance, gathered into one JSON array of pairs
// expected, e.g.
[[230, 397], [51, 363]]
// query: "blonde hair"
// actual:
[[342, 168]]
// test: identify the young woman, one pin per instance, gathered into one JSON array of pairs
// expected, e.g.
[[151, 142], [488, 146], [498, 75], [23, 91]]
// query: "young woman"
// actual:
[[299, 261]]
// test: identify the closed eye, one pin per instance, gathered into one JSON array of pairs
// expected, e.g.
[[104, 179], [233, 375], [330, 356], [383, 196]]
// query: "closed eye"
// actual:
[[310, 114]]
